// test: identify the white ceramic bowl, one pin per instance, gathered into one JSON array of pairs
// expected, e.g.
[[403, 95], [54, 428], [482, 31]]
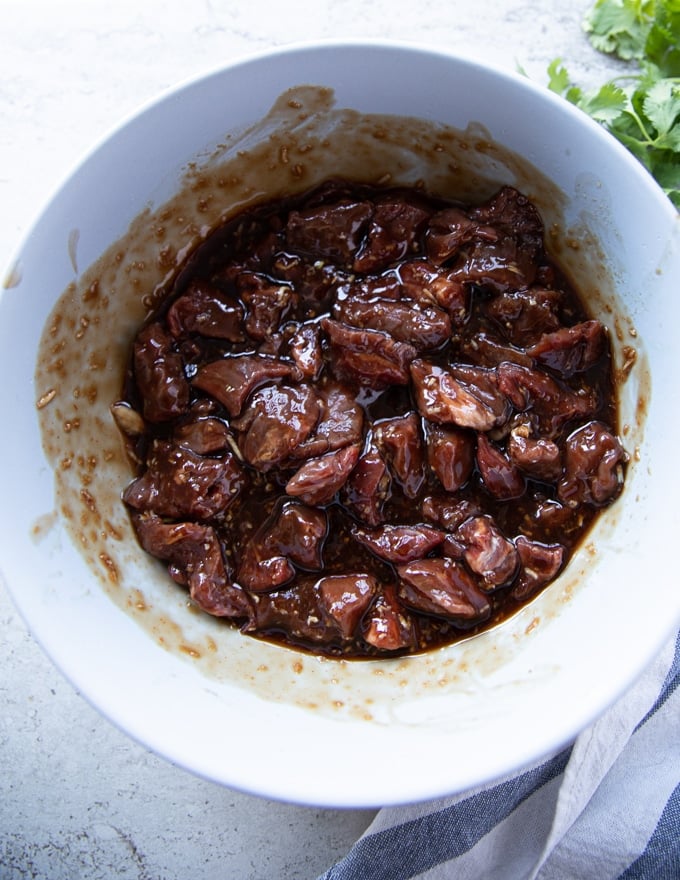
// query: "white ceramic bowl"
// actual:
[[266, 719]]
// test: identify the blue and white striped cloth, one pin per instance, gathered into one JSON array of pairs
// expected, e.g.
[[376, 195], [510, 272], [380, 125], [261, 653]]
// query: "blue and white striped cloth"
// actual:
[[606, 808]]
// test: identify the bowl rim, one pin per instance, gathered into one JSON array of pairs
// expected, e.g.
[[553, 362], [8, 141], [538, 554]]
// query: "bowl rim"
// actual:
[[304, 794], [255, 57]]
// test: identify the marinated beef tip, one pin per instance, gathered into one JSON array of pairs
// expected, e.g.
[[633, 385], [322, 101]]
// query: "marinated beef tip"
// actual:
[[368, 487], [485, 351], [540, 563], [230, 380], [292, 536], [315, 283], [593, 466], [459, 395], [395, 230], [549, 403], [524, 315], [344, 598], [537, 457], [370, 421], [498, 245], [195, 559], [427, 284], [498, 474], [276, 420], [399, 544], [319, 479], [207, 310], [333, 232], [424, 327], [451, 454], [399, 441], [296, 611], [327, 611], [450, 230], [449, 511], [340, 423], [203, 435], [159, 373], [487, 551], [179, 484], [513, 261], [371, 358], [442, 587], [305, 349], [388, 627], [571, 350], [267, 303]]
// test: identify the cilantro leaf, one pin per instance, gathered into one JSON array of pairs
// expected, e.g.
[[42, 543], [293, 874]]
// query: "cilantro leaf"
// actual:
[[606, 104], [661, 105], [643, 114], [668, 176], [620, 27], [560, 83], [662, 47], [558, 77]]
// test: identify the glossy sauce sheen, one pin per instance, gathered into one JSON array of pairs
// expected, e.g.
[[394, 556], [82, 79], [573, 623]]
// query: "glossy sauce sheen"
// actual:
[[370, 422]]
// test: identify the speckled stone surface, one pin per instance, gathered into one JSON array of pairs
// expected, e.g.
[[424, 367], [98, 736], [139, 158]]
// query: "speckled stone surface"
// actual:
[[78, 798]]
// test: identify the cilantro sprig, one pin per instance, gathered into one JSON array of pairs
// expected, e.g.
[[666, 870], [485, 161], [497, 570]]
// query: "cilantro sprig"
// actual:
[[642, 106]]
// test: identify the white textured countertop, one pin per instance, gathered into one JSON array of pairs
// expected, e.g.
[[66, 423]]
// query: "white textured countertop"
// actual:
[[78, 799]]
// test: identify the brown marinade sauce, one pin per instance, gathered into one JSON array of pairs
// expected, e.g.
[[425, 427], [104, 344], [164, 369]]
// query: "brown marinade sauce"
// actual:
[[369, 421]]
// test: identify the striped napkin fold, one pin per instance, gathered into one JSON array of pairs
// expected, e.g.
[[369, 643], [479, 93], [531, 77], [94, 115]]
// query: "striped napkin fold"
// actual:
[[605, 808]]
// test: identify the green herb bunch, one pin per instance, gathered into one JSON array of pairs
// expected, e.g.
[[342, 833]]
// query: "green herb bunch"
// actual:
[[642, 106]]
